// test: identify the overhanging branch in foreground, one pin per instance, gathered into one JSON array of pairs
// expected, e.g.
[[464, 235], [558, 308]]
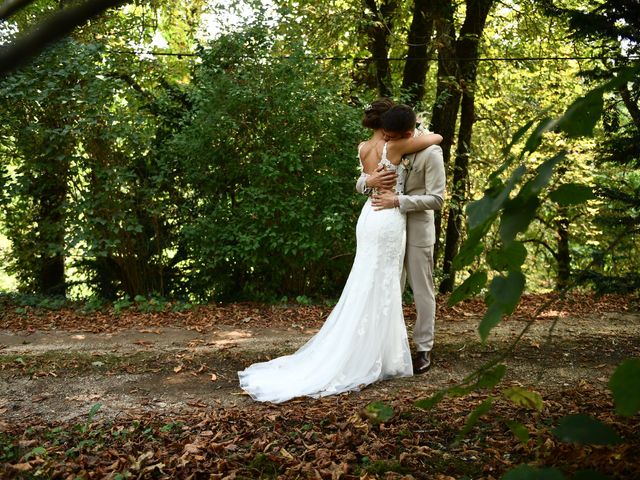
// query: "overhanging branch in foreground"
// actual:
[[53, 28]]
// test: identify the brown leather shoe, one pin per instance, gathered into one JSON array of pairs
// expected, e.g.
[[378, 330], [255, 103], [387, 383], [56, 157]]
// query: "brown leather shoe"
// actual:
[[422, 363]]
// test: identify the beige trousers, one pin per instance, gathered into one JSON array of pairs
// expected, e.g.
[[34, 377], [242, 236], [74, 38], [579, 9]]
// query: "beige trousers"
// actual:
[[418, 269]]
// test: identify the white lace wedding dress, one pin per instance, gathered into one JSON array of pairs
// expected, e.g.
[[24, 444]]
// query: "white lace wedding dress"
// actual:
[[364, 339]]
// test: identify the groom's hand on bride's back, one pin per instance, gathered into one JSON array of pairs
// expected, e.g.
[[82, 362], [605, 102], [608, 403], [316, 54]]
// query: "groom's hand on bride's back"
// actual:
[[381, 179]]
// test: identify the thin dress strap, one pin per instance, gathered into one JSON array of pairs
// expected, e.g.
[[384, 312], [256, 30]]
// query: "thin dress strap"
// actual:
[[359, 157]]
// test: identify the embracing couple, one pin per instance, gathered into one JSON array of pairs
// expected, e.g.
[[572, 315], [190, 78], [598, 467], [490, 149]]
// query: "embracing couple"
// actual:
[[364, 339]]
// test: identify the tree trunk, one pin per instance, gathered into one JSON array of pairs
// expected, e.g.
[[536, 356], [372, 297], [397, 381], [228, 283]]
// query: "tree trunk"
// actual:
[[631, 105], [467, 54], [458, 196], [445, 108], [51, 229], [419, 41], [564, 255], [378, 31]]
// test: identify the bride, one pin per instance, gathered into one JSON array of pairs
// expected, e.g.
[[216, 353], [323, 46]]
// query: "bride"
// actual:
[[364, 339]]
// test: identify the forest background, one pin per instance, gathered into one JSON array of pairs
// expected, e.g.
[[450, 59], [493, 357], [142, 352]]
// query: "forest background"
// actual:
[[170, 153], [206, 151]]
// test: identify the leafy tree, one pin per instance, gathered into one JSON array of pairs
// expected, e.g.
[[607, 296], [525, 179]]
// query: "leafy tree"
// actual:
[[613, 26], [515, 192], [268, 157], [41, 148]]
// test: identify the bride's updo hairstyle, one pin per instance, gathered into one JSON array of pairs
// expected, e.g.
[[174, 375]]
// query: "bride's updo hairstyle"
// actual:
[[373, 113]]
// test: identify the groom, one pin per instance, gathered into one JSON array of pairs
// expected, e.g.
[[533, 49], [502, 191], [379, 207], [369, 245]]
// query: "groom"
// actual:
[[424, 192]]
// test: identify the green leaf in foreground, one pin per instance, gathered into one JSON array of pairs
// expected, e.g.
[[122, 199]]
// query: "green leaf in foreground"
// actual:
[[470, 287], [589, 475], [516, 138], [516, 217], [525, 472], [93, 411], [625, 386], [432, 401], [581, 117], [519, 430], [495, 197], [473, 418], [585, 430], [504, 295], [471, 248], [535, 139], [486, 380], [378, 412], [524, 398], [571, 194], [507, 257], [36, 452], [491, 378]]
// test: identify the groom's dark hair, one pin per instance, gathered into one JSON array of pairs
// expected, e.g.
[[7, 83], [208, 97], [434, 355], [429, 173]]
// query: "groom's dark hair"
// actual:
[[399, 118]]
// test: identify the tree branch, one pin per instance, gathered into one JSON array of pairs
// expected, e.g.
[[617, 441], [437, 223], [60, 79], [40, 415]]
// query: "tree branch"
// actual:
[[132, 83], [10, 7], [53, 28], [544, 244]]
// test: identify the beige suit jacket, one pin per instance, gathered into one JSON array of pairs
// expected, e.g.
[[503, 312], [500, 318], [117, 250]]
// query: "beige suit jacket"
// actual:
[[424, 192]]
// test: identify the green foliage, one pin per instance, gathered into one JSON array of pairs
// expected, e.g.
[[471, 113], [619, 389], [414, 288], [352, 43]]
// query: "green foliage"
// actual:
[[519, 430], [625, 386], [582, 428], [502, 299], [432, 401], [515, 215], [35, 452], [473, 417], [268, 158], [470, 287], [524, 398], [148, 305], [44, 302], [93, 304], [85, 175], [121, 304], [491, 377], [525, 472], [612, 29], [483, 379], [589, 475], [507, 258], [378, 412], [571, 194]]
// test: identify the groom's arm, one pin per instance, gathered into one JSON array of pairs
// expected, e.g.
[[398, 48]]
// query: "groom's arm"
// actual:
[[381, 179], [435, 183], [434, 180]]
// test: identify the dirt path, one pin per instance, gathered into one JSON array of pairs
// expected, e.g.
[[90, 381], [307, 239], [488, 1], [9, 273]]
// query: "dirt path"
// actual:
[[58, 375]]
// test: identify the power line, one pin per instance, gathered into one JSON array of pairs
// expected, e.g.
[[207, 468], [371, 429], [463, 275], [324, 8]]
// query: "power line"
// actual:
[[371, 59]]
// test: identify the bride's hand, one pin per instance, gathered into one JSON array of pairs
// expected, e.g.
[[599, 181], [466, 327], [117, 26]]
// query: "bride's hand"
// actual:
[[384, 200]]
